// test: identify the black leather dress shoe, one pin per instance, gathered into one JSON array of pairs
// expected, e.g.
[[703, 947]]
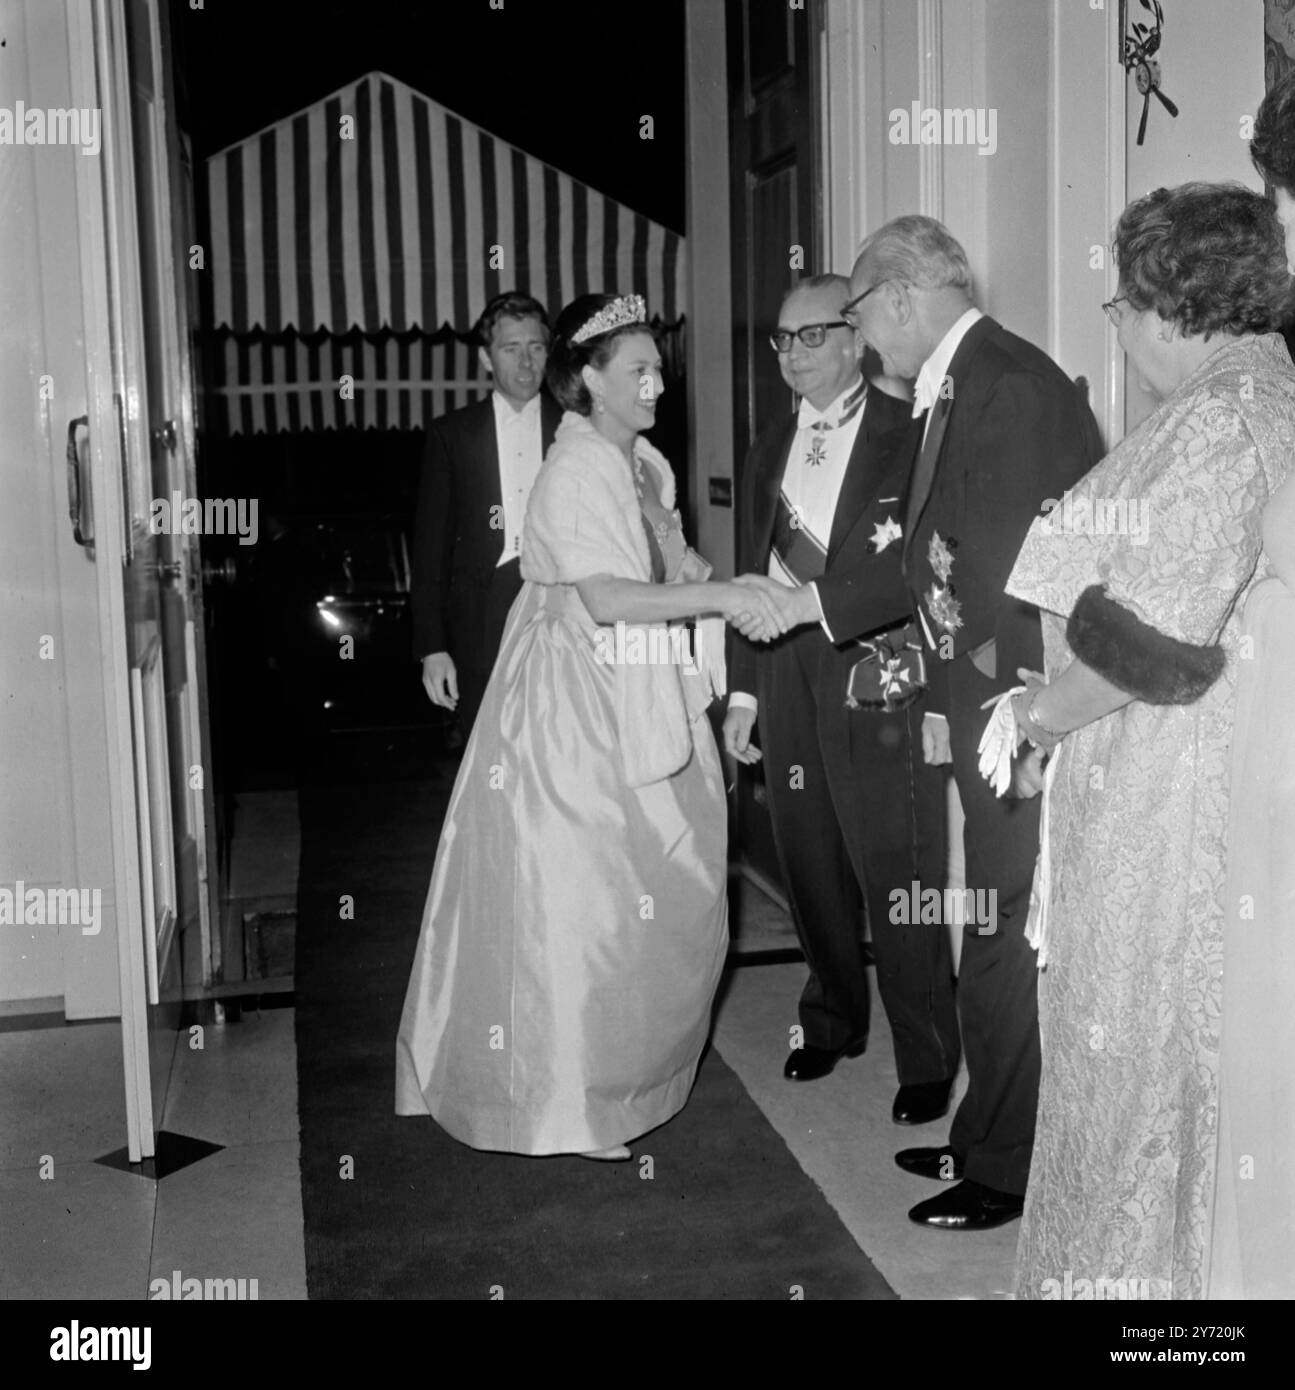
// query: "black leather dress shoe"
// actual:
[[809, 1063], [941, 1164], [920, 1104], [970, 1206]]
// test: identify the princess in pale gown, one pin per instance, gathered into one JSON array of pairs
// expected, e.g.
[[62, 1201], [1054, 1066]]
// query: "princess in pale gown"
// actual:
[[576, 924]]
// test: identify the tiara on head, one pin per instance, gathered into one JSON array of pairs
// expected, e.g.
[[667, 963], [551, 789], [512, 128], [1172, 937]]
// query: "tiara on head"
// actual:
[[629, 308]]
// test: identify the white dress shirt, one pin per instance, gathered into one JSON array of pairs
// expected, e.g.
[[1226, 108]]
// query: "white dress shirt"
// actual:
[[930, 380], [813, 488], [520, 441]]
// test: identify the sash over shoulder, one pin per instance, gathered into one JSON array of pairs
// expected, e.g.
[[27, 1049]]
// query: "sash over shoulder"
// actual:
[[583, 520]]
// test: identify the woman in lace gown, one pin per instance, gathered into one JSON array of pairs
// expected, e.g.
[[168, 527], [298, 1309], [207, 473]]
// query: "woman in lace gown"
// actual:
[[1254, 1187], [576, 924], [1143, 574]]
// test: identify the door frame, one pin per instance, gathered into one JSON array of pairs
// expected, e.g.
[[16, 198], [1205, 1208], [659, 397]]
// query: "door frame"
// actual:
[[710, 301], [173, 404], [129, 571], [89, 54]]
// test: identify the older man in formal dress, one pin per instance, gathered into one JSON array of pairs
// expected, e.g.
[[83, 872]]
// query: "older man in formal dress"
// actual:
[[855, 810], [998, 430]]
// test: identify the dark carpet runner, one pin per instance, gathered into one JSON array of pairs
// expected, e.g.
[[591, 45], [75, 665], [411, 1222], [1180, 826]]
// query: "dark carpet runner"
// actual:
[[396, 1209]]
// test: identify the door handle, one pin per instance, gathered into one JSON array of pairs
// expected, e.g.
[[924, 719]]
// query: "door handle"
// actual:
[[82, 528]]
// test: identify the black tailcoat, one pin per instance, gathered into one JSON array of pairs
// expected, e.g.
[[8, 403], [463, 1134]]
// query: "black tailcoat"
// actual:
[[854, 808], [1008, 435], [460, 593]]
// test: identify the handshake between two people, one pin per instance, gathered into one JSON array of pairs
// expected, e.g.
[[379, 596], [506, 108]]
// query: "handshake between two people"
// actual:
[[761, 608]]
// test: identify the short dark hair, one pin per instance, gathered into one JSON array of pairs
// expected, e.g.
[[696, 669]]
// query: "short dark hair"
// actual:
[[1272, 147], [567, 359], [513, 304], [1209, 257]]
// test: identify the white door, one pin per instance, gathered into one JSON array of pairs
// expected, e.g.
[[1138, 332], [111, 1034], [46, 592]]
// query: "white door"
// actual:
[[139, 430]]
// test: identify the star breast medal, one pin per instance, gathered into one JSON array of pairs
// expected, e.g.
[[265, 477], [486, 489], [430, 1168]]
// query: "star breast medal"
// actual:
[[940, 603], [884, 532], [944, 608], [939, 555]]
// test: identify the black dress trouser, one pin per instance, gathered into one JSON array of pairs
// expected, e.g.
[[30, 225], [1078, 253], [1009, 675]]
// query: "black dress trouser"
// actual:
[[855, 808], [993, 1129], [478, 632]]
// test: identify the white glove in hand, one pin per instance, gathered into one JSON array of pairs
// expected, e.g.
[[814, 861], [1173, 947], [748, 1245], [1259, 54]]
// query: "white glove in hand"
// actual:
[[999, 742]]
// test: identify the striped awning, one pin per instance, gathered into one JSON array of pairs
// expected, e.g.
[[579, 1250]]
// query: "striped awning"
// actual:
[[379, 382], [376, 208], [262, 384]]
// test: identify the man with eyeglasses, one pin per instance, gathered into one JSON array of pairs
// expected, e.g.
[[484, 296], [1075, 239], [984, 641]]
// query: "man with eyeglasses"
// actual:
[[854, 807], [998, 429]]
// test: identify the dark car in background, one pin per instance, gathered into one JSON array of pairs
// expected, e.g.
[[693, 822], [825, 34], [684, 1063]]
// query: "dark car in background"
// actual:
[[332, 594]]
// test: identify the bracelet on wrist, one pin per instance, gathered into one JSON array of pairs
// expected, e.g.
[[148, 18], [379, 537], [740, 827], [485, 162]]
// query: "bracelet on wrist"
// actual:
[[1051, 735]]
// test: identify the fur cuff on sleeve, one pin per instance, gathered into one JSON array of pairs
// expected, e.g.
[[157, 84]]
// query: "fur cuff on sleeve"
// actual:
[[1139, 658]]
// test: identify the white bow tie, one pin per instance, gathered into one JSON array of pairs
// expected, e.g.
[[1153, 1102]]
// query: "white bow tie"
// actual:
[[808, 418], [925, 393]]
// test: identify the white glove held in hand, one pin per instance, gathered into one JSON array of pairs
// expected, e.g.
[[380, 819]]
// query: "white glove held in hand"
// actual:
[[999, 742]]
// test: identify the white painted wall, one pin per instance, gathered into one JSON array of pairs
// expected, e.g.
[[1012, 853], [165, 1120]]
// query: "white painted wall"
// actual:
[[54, 825], [1212, 61], [1017, 41], [1085, 192], [884, 55], [1212, 66], [1066, 163]]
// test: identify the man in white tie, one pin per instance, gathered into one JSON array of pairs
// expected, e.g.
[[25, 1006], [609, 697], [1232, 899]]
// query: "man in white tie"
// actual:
[[998, 429], [856, 810], [477, 473]]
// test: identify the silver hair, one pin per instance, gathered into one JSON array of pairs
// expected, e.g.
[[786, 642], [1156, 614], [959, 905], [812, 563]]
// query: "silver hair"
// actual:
[[917, 251]]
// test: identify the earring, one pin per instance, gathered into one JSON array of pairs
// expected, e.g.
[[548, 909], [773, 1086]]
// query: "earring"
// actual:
[[600, 405]]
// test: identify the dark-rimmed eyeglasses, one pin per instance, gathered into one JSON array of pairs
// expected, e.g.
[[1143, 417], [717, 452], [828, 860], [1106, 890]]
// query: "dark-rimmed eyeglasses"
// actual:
[[851, 305], [813, 335], [1109, 308]]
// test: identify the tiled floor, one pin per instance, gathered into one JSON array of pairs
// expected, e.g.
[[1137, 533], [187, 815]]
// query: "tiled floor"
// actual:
[[88, 1231], [73, 1228]]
